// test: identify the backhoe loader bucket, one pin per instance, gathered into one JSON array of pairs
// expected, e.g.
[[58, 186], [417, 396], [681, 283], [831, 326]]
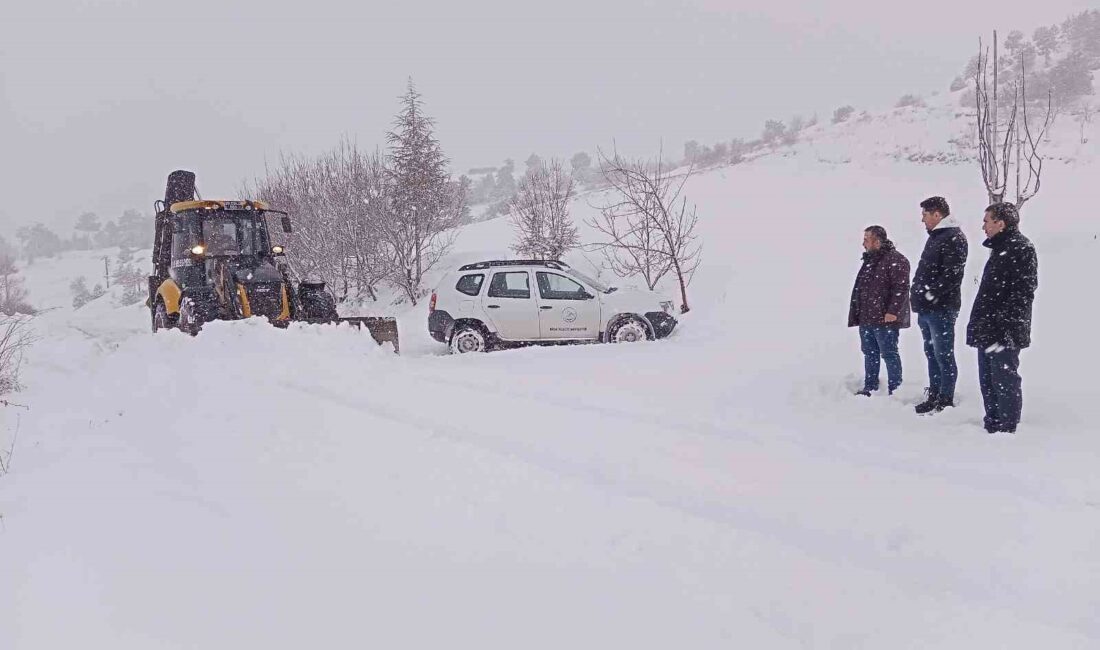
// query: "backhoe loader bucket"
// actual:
[[383, 329]]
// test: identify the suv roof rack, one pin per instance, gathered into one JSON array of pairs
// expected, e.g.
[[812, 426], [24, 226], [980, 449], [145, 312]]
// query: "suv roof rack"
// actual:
[[553, 264]]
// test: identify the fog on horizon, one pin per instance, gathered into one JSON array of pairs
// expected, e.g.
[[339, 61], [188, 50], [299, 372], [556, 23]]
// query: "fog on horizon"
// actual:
[[100, 100]]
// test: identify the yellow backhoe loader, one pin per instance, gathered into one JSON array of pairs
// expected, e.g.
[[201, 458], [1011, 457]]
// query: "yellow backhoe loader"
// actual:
[[214, 260]]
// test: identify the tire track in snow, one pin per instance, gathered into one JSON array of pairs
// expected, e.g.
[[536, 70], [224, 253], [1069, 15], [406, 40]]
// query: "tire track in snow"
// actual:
[[871, 458], [925, 573]]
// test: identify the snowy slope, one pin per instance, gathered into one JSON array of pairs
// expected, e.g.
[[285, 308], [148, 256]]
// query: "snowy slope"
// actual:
[[722, 488]]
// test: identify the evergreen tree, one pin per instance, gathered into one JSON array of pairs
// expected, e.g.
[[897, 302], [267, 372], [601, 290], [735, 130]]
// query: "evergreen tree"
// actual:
[[1046, 41], [506, 180], [426, 204], [533, 162], [581, 166]]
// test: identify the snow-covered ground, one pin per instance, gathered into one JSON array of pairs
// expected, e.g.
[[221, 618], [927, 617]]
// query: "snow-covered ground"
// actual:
[[261, 488]]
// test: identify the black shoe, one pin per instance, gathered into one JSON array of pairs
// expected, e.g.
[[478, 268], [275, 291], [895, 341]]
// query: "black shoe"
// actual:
[[933, 406], [866, 392]]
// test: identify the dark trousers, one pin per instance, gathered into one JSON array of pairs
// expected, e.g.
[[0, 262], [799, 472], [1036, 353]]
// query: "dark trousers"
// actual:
[[938, 330], [880, 342], [1002, 390]]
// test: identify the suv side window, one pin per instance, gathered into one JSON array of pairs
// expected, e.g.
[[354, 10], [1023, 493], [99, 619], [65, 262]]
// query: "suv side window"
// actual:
[[558, 287], [511, 284], [470, 284]]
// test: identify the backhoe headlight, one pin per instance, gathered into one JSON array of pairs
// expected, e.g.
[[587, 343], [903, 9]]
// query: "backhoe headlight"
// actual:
[[198, 250]]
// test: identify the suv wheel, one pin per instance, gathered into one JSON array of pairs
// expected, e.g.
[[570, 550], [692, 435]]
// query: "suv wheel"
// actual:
[[468, 339], [628, 330]]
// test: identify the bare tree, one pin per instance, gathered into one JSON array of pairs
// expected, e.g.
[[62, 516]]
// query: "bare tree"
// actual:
[[15, 338], [13, 295], [133, 284], [354, 196], [1004, 150], [539, 212], [1087, 111], [338, 199], [293, 184], [649, 229]]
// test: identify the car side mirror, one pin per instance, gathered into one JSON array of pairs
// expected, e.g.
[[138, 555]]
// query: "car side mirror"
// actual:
[[286, 224], [586, 296]]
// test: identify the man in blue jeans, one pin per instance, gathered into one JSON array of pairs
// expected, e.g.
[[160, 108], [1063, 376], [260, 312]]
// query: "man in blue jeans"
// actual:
[[880, 308], [1000, 322], [937, 297]]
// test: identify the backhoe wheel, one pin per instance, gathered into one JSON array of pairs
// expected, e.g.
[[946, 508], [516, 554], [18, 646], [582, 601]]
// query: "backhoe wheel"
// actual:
[[319, 305], [628, 330], [161, 319], [189, 320], [468, 339]]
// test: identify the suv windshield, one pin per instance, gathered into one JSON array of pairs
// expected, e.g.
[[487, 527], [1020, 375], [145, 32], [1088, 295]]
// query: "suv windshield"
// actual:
[[233, 235], [592, 282]]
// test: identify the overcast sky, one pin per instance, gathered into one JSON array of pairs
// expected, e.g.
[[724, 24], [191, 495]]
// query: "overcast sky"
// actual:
[[100, 100]]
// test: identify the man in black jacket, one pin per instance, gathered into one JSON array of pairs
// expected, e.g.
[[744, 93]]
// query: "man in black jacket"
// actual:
[[880, 308], [937, 297], [1000, 323]]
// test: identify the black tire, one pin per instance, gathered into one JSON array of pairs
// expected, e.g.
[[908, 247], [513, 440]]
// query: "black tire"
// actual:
[[161, 319], [190, 322], [630, 329], [319, 305], [469, 339]]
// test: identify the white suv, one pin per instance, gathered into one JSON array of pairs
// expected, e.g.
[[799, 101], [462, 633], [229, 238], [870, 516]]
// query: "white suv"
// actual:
[[500, 303]]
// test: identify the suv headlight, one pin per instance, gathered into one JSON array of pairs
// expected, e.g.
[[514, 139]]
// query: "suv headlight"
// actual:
[[667, 306]]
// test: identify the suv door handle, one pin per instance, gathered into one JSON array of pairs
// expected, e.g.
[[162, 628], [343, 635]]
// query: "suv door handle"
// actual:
[[546, 307], [493, 306]]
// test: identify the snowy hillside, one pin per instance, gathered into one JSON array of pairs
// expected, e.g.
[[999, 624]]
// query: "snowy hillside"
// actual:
[[721, 488]]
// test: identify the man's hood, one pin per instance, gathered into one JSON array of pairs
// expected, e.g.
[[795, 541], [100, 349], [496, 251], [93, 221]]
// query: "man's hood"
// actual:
[[948, 222]]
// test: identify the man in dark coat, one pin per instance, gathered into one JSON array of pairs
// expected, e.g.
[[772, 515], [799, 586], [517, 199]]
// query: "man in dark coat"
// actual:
[[937, 297], [880, 307], [1000, 322]]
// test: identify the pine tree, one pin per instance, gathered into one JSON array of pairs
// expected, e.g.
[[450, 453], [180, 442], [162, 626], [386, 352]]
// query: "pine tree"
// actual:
[[426, 204]]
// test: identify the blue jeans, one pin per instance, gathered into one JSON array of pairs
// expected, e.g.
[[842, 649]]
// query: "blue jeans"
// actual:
[[1002, 388], [880, 342], [938, 330]]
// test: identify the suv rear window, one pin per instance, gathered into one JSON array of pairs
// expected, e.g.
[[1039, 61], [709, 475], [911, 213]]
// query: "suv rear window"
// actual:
[[470, 284]]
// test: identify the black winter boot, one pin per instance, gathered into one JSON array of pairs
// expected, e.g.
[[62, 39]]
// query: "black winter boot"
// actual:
[[933, 406], [928, 405]]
